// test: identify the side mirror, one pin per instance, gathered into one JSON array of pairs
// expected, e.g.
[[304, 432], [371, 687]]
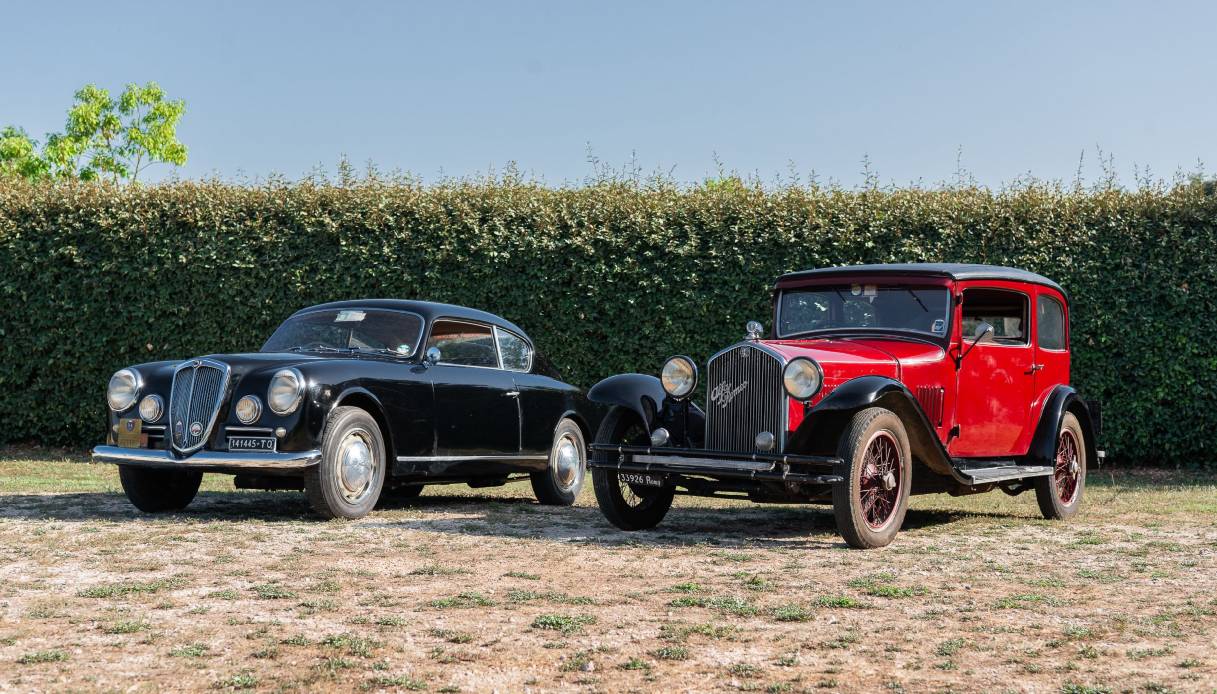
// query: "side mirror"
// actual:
[[431, 356], [981, 330]]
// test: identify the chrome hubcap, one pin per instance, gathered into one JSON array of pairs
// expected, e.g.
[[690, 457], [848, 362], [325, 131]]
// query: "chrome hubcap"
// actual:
[[566, 461], [356, 465]]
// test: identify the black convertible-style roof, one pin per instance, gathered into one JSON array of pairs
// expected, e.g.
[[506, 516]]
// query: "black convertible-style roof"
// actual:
[[427, 309], [957, 271]]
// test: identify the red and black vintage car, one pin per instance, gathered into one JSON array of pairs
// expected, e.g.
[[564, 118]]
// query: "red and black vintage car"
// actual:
[[876, 382]]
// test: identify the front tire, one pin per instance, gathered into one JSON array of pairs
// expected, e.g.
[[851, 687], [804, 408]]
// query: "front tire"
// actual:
[[154, 490], [871, 503], [1060, 494], [563, 478], [627, 506], [348, 480]]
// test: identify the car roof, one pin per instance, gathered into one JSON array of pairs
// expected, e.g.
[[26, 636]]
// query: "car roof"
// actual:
[[956, 271], [429, 310]]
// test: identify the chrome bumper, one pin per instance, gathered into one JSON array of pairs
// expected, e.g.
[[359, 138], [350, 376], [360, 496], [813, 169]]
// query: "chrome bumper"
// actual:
[[253, 460], [774, 467]]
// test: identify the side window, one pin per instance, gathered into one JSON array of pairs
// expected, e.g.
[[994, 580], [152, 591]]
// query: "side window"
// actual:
[[517, 355], [1005, 310], [463, 344], [1050, 323]]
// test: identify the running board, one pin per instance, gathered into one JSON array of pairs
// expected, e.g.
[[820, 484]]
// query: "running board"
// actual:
[[1001, 473]]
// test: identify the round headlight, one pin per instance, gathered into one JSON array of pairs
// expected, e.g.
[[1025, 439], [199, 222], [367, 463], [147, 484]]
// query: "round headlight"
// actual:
[[123, 390], [802, 378], [285, 392], [679, 376], [151, 407], [249, 408]]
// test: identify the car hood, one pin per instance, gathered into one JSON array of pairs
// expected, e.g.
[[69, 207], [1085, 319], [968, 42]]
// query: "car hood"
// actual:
[[852, 356]]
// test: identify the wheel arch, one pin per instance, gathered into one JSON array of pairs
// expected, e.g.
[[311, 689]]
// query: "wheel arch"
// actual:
[[824, 424], [366, 401], [1063, 399], [642, 394], [580, 421]]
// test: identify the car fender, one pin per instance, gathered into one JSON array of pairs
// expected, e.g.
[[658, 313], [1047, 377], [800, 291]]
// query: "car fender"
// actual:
[[645, 396], [822, 427], [1062, 399]]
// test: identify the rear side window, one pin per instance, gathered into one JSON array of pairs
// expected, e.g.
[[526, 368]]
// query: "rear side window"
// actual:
[[517, 355], [1050, 323], [1005, 310], [463, 344]]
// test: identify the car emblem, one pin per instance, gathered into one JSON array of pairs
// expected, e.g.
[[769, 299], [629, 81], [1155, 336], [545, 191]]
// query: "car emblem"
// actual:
[[130, 425], [196, 429], [178, 427], [724, 392]]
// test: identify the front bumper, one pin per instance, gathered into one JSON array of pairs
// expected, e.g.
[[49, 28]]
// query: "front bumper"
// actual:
[[208, 460], [769, 467]]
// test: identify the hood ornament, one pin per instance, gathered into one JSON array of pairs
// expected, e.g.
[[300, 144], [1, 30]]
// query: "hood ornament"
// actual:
[[753, 330]]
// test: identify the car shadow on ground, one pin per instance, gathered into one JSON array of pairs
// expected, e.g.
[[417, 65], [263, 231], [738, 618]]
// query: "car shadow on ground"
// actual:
[[738, 525]]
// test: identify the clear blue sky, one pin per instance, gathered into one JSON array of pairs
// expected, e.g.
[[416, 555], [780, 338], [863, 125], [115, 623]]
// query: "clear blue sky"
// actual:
[[457, 88]]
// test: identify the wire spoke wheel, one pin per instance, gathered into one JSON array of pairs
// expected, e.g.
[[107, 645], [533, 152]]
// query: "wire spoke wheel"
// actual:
[[1067, 467], [879, 486], [627, 506]]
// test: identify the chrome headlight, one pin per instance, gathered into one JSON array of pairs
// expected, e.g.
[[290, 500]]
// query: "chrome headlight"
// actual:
[[249, 408], [802, 378], [151, 407], [123, 390], [285, 392], [679, 376]]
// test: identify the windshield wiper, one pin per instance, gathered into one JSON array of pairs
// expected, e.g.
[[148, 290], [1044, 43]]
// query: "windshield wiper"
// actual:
[[914, 295], [315, 348]]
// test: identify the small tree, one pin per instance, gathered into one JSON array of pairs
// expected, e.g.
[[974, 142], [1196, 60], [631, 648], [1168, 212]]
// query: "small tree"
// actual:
[[103, 137]]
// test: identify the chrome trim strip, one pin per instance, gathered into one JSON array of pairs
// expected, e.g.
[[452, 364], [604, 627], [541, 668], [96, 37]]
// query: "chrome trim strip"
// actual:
[[679, 461], [257, 430], [161, 458], [428, 458]]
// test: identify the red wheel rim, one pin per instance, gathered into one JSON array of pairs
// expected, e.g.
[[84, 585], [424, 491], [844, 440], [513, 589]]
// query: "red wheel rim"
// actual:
[[1068, 467], [880, 481]]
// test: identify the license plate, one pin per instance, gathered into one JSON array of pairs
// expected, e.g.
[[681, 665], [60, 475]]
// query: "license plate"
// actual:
[[640, 479], [130, 433], [250, 443]]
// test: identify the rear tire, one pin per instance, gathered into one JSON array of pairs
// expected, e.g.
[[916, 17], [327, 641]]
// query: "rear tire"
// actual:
[[155, 490], [348, 480], [627, 506], [871, 503], [1060, 494], [563, 478]]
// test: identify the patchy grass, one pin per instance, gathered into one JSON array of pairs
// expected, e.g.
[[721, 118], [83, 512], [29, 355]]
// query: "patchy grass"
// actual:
[[477, 590]]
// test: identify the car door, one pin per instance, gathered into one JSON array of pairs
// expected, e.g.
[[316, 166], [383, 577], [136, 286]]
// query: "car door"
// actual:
[[541, 398], [477, 412], [996, 378]]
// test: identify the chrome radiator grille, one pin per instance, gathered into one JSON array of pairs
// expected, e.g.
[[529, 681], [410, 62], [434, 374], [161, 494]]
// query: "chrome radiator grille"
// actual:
[[745, 397], [194, 402]]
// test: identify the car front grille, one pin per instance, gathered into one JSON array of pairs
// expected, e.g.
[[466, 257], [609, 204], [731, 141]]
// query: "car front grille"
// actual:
[[194, 402], [744, 397]]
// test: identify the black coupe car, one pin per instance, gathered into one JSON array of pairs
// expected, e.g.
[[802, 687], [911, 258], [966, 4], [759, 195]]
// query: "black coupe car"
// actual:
[[349, 400]]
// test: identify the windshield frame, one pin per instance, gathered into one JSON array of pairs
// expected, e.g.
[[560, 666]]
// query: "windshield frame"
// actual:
[[889, 281], [422, 329]]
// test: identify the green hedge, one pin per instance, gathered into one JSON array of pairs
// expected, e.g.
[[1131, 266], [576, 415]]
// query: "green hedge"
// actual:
[[606, 278]]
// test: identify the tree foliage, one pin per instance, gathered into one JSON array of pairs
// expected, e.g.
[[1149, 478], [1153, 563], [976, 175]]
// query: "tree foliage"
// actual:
[[104, 138]]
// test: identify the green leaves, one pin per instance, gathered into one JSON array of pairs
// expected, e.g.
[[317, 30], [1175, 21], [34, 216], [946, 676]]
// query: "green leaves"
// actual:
[[103, 138], [606, 278]]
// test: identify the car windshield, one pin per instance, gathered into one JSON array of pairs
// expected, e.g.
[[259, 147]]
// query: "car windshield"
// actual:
[[348, 330], [864, 307]]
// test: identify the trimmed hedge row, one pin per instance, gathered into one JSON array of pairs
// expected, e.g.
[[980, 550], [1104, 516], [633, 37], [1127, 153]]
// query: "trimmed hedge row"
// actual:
[[606, 278]]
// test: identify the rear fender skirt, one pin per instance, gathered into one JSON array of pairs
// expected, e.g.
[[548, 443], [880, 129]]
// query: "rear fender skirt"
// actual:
[[824, 424], [645, 396], [1043, 445]]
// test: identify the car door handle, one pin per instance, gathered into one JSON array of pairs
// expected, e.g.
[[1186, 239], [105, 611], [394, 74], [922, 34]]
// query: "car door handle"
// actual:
[[512, 394], [1034, 368]]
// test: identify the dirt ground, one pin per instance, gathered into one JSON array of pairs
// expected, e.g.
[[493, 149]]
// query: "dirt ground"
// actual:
[[484, 590]]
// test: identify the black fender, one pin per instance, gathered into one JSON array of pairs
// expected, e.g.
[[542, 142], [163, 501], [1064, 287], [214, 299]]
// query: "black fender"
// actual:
[[1062, 399], [358, 396], [822, 427], [645, 396]]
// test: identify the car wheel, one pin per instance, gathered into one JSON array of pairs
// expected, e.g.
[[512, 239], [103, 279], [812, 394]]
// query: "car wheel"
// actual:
[[562, 480], [348, 480], [153, 490], [1060, 494], [627, 506], [871, 503]]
